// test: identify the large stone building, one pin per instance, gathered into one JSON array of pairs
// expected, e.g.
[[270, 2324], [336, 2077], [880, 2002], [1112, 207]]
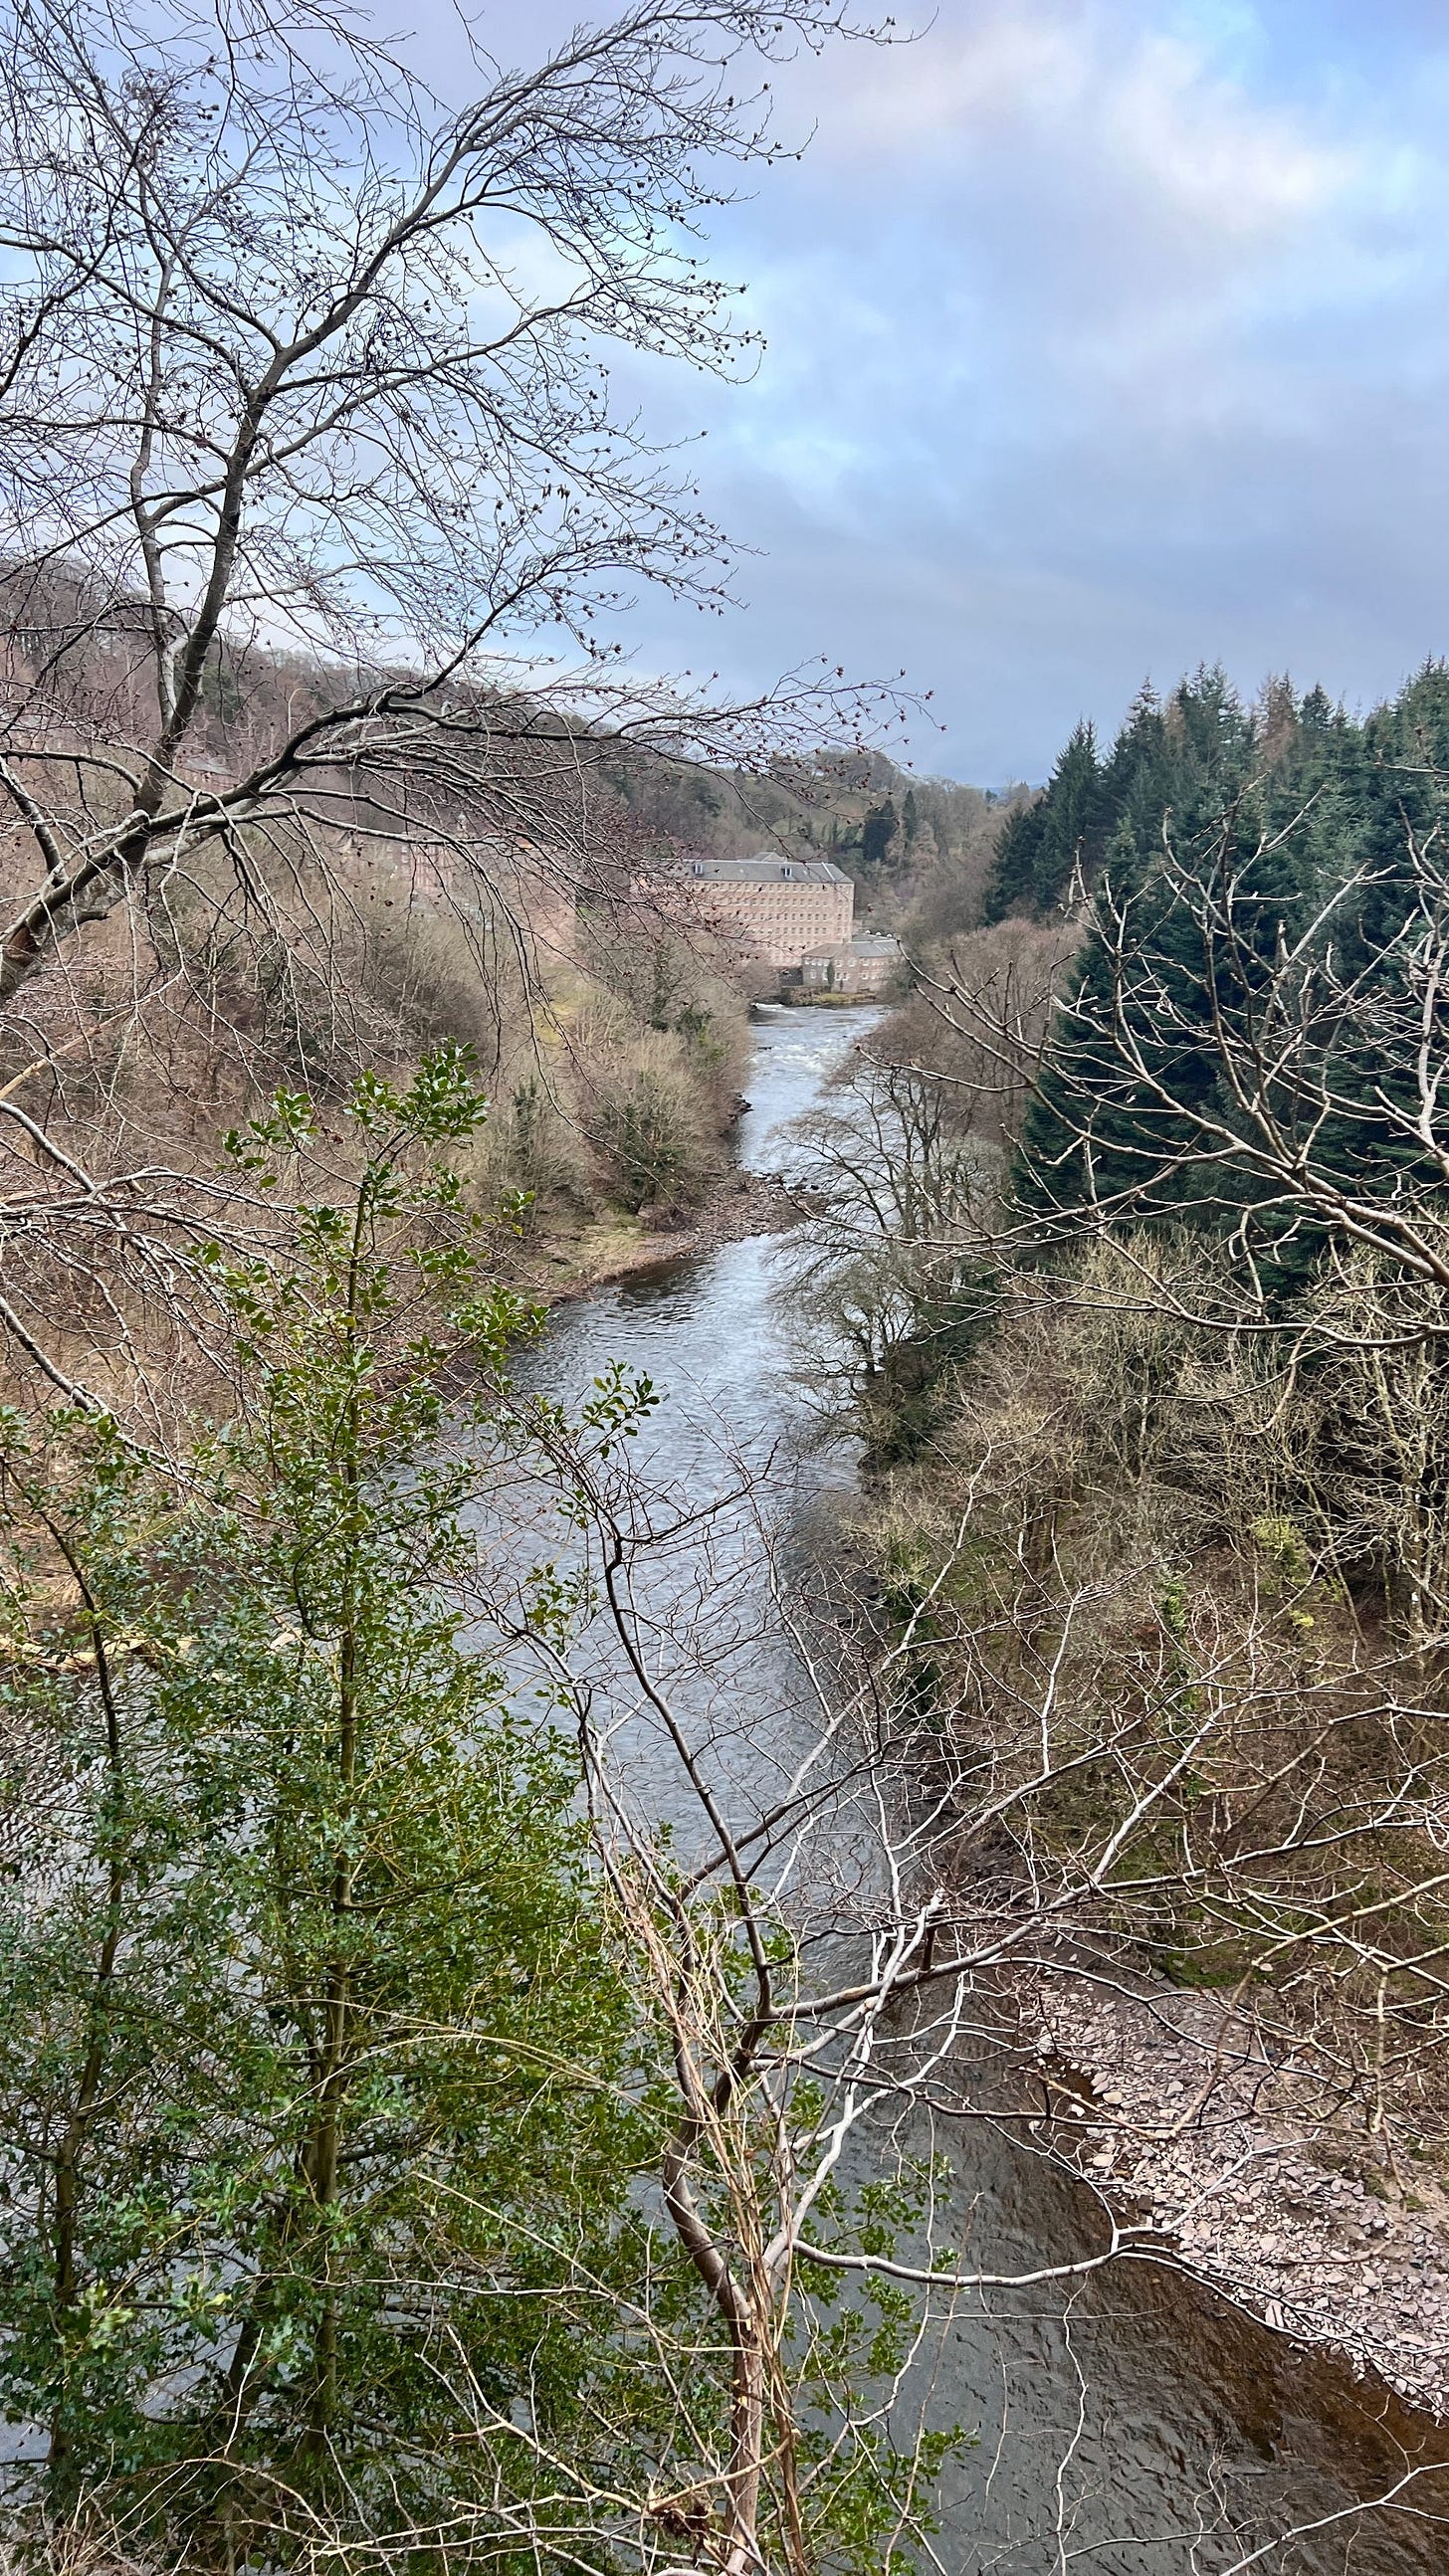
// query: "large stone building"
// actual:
[[782, 908]]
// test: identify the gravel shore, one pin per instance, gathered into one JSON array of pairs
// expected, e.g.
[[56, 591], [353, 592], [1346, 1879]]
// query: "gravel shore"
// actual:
[[742, 1204], [1170, 2104]]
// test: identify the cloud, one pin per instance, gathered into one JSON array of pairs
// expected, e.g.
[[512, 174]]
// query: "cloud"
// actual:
[[1104, 336], [1146, 108]]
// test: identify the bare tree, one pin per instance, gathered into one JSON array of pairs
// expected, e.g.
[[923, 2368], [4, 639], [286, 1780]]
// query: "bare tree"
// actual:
[[302, 362], [321, 514], [965, 1858], [1171, 1569]]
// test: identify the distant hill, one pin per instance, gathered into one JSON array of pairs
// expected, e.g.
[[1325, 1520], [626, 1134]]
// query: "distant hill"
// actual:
[[920, 850]]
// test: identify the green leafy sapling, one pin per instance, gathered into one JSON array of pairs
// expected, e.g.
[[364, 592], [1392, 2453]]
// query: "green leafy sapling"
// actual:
[[318, 2087]]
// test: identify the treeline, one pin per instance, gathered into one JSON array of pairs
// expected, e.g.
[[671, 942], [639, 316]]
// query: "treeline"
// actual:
[[1256, 883], [1133, 1265], [1181, 760]]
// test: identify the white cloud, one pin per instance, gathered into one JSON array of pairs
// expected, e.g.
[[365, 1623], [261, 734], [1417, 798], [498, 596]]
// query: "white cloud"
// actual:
[[1099, 87], [1105, 336]]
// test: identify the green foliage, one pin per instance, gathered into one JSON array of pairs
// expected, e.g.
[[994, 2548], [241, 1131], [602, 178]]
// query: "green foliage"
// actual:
[[1281, 1542], [319, 2082], [1302, 825], [877, 833], [333, 2064], [1045, 845], [1011, 886], [1185, 760], [1071, 820]]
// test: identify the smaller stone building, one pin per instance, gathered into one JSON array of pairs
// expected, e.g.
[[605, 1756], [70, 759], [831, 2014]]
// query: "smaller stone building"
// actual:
[[862, 965]]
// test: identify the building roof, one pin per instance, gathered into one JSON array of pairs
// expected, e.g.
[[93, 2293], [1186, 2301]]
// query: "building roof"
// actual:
[[867, 943], [767, 868]]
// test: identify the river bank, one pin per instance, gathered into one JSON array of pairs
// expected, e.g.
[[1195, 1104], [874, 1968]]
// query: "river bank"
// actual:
[[738, 1206], [743, 1200], [1172, 2105], [1147, 2419]]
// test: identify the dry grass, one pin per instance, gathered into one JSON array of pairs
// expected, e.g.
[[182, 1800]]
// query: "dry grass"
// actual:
[[1208, 1571]]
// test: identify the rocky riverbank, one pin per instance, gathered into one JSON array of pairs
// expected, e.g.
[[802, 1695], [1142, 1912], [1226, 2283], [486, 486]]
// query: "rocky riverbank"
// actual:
[[741, 1204], [1172, 2105]]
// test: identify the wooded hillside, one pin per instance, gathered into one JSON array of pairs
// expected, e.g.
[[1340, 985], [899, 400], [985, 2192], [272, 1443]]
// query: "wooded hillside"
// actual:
[[1150, 1349]]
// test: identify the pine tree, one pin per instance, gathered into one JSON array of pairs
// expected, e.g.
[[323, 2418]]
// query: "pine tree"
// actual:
[[877, 833], [1317, 714], [1300, 829], [1071, 819], [1011, 886]]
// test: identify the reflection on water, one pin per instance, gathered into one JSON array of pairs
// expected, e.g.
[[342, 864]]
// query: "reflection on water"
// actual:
[[1136, 2427], [727, 1450]]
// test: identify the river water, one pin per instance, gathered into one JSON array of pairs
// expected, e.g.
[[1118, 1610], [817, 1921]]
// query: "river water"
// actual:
[[1136, 2426]]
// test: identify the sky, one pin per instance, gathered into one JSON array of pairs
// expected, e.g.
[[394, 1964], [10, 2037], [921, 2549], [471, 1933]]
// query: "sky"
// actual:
[[1105, 338]]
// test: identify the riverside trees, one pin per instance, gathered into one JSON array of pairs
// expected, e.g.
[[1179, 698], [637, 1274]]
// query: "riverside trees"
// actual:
[[402, 2153], [1191, 1484], [315, 2071], [318, 503]]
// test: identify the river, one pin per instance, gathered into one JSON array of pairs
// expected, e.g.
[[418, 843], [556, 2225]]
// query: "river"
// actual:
[[1139, 2426]]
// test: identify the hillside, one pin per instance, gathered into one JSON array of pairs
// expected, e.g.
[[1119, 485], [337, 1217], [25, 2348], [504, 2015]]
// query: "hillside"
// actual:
[[1140, 1302], [920, 850]]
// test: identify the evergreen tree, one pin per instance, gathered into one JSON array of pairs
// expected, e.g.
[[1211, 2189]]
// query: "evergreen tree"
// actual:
[[1116, 1120], [1071, 815], [1264, 865], [1317, 715], [1137, 781], [1044, 845], [1011, 886], [315, 2062], [1210, 734], [877, 833]]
